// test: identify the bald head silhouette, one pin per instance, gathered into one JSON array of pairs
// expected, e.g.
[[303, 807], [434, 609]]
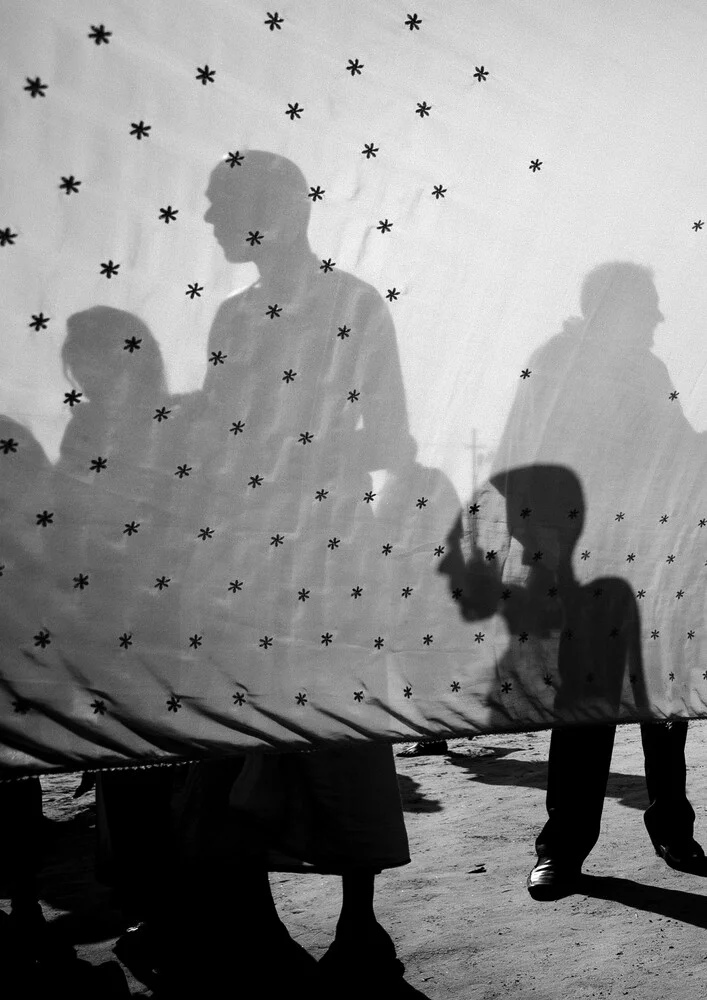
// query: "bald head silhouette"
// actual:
[[258, 209]]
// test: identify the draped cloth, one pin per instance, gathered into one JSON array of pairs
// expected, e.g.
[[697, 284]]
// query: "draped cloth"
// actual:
[[353, 374]]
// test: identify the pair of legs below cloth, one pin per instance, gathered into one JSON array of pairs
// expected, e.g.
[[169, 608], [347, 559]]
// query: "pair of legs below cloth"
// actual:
[[578, 770]]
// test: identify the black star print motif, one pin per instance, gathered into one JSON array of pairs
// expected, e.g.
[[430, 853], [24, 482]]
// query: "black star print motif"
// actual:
[[235, 159], [69, 185], [273, 311], [98, 464], [274, 21], [109, 269], [168, 214], [8, 446], [306, 438], [673, 395], [217, 358], [387, 549], [80, 581], [421, 502], [526, 373], [183, 470], [294, 111], [140, 130], [125, 640], [369, 150], [255, 481], [239, 698], [697, 225], [73, 397], [45, 518], [384, 225], [42, 639], [343, 332], [438, 191], [35, 87], [413, 22], [277, 540], [39, 321], [369, 497], [174, 703], [480, 73], [301, 698], [205, 75], [455, 686], [7, 237], [392, 294], [194, 291], [316, 193], [358, 695], [407, 691], [379, 642], [195, 641], [99, 34], [265, 642], [327, 638], [162, 582], [357, 592], [535, 165], [353, 396], [327, 265], [237, 428], [131, 528], [205, 533], [234, 586], [321, 495], [132, 344], [161, 413], [354, 67], [333, 543], [254, 238], [99, 707], [303, 595], [288, 376], [423, 109], [479, 636]]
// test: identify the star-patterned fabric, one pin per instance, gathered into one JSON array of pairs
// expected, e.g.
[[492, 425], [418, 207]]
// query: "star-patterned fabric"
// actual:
[[353, 374]]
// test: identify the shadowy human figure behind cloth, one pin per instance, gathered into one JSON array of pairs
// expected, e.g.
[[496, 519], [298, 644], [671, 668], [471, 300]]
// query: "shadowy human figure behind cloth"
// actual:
[[302, 402], [596, 401]]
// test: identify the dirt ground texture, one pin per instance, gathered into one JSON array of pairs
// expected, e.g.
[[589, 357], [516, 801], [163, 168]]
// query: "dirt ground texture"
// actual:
[[460, 915]]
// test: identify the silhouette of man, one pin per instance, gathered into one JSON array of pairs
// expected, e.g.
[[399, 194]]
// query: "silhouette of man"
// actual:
[[305, 371], [595, 403]]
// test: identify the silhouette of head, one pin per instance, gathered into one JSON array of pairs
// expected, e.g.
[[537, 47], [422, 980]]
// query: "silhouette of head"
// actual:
[[620, 303], [110, 353], [265, 195], [544, 511]]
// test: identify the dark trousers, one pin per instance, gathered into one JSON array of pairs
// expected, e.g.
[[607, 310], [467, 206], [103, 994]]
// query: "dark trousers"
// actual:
[[21, 837], [578, 770]]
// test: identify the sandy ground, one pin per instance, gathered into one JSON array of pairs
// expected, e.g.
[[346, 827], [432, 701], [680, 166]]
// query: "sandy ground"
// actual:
[[460, 914]]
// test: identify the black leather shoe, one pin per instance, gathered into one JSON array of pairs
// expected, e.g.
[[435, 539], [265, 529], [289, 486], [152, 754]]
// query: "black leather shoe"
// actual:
[[551, 879], [686, 857]]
